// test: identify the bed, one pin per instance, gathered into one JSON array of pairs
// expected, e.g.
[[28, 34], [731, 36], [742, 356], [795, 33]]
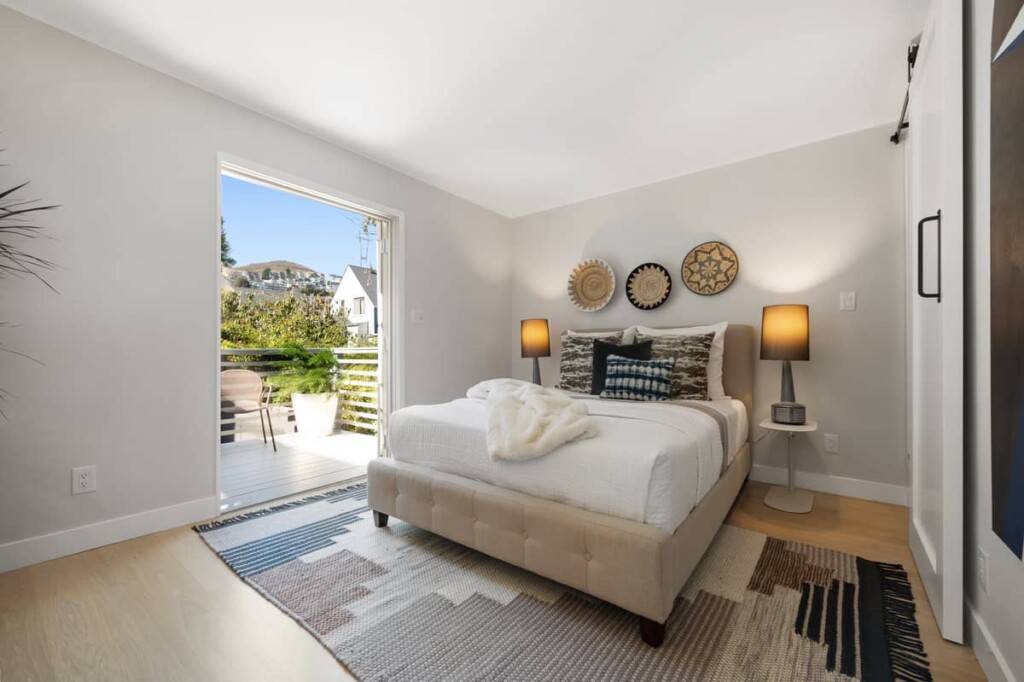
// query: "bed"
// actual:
[[630, 535]]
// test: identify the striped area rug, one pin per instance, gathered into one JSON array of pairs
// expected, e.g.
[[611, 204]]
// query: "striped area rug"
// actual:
[[400, 603]]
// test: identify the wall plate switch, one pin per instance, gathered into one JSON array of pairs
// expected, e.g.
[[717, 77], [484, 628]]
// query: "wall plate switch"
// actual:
[[832, 443], [848, 301], [417, 316], [83, 480], [983, 570]]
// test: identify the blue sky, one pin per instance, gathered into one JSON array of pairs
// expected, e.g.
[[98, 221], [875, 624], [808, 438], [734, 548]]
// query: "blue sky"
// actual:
[[267, 224]]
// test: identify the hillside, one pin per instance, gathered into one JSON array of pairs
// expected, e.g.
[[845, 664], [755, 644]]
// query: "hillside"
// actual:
[[275, 266]]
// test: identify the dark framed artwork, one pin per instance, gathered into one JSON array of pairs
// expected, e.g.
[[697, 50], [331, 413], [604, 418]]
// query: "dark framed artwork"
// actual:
[[1007, 259]]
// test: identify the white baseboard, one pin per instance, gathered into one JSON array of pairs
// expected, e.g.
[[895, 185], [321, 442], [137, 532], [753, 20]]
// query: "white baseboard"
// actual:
[[836, 485], [985, 649], [73, 540]]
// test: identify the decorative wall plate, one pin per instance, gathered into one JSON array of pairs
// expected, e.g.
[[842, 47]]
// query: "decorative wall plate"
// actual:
[[648, 286], [591, 285], [710, 268]]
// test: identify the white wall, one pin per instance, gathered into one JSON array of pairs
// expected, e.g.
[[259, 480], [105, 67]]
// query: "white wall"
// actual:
[[129, 345], [806, 223], [1000, 610]]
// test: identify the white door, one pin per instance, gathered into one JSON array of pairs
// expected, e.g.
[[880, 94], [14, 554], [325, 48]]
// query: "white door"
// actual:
[[935, 309], [383, 312]]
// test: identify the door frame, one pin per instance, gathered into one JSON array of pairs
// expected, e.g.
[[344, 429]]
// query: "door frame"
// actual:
[[391, 333], [942, 570]]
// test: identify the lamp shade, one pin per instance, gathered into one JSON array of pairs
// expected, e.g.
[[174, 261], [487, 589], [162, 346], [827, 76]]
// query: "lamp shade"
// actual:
[[785, 333], [534, 338]]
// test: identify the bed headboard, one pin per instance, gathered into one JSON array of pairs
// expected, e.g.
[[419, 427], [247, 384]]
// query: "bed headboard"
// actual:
[[738, 369]]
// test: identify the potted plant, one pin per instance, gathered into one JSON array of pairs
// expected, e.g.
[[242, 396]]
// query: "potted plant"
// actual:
[[308, 379]]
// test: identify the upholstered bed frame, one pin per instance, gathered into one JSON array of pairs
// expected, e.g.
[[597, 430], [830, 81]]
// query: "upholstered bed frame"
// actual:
[[638, 567]]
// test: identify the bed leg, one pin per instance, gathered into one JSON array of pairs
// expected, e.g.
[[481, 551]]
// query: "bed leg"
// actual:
[[651, 632], [380, 520]]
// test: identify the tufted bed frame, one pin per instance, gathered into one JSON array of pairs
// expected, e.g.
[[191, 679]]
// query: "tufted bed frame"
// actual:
[[635, 566]]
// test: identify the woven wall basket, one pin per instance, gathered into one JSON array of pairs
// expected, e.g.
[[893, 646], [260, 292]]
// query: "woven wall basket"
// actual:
[[591, 285], [648, 286], [710, 268]]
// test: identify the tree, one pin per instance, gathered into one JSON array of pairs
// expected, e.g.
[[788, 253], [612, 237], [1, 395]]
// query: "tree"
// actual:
[[288, 273], [266, 273], [225, 246]]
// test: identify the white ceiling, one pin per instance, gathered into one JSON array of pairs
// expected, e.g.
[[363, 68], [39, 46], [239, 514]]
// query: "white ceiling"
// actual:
[[524, 105]]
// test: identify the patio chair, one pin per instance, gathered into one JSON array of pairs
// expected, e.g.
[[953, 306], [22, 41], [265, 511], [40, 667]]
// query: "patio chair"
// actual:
[[242, 391]]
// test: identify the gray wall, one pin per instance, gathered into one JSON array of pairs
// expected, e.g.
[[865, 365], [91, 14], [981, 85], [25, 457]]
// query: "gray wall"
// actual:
[[1001, 608], [806, 223], [130, 343]]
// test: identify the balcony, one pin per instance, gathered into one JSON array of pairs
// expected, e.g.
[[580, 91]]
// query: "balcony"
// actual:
[[252, 473]]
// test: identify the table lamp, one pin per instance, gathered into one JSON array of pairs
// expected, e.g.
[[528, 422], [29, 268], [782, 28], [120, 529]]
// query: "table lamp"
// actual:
[[785, 336], [535, 343]]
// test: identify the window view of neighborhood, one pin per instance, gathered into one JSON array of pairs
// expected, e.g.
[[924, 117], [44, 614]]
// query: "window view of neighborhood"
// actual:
[[299, 356]]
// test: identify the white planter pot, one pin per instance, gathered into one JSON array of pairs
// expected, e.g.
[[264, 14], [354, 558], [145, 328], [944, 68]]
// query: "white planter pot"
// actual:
[[315, 413]]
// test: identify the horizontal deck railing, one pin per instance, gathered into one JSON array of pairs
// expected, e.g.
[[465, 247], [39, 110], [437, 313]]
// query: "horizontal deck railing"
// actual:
[[357, 382]]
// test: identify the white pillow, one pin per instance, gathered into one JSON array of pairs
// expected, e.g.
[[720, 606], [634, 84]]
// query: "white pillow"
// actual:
[[627, 334], [716, 363]]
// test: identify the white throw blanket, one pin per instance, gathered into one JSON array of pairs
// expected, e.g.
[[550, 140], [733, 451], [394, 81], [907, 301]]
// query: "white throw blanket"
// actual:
[[525, 421]]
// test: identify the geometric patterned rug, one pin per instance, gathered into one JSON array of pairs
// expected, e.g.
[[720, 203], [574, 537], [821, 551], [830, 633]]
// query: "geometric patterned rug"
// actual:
[[400, 603]]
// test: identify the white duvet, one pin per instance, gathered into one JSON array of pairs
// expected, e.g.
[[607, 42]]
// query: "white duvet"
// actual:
[[647, 462]]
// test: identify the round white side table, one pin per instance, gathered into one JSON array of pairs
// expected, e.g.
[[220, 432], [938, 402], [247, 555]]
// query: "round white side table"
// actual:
[[789, 499]]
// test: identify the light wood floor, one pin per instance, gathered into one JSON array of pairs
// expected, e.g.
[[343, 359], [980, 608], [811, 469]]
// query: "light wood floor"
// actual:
[[164, 607]]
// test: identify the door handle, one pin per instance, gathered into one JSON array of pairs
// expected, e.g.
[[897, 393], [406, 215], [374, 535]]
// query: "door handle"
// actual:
[[920, 257]]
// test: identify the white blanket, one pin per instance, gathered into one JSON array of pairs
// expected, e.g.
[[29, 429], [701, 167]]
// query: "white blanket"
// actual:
[[526, 421]]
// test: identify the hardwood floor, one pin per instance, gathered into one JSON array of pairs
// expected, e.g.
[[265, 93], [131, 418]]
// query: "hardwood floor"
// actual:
[[164, 607]]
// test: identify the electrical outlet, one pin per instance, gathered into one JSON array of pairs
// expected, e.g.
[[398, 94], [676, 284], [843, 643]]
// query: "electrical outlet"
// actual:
[[83, 480], [983, 570], [847, 301], [832, 443]]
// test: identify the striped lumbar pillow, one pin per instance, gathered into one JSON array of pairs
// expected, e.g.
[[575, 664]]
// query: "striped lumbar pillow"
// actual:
[[629, 379]]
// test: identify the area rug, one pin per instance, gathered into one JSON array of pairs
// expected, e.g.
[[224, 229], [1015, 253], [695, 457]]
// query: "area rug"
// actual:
[[400, 603]]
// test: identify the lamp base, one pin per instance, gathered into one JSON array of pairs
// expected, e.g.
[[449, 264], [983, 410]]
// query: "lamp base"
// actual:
[[789, 413]]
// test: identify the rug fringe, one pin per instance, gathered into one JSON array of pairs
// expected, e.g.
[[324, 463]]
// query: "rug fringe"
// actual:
[[214, 525], [906, 650]]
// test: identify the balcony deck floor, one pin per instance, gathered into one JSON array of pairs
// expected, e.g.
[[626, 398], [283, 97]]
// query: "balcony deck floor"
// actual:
[[252, 473]]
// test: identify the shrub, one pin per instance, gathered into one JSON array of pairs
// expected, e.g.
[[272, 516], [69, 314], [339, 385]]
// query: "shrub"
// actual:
[[251, 322]]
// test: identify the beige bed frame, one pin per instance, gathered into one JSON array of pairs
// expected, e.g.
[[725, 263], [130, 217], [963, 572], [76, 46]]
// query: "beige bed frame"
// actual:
[[638, 567]]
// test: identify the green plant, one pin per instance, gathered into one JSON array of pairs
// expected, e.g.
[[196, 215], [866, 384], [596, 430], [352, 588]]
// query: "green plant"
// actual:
[[17, 225], [303, 371], [250, 322]]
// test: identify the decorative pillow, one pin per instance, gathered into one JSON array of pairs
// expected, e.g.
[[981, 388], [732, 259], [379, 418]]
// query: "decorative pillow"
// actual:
[[630, 379], [691, 353], [716, 391], [636, 351], [576, 362]]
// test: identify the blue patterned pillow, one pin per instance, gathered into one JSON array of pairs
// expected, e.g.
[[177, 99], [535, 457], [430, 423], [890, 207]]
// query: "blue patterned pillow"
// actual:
[[629, 379]]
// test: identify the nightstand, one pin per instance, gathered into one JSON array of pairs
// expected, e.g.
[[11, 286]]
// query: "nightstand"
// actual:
[[789, 499]]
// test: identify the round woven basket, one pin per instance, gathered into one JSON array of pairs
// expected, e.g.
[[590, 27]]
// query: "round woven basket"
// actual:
[[591, 285], [648, 286], [710, 268]]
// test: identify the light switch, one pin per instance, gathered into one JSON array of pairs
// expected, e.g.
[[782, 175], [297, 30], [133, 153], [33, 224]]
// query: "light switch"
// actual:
[[417, 316], [847, 301]]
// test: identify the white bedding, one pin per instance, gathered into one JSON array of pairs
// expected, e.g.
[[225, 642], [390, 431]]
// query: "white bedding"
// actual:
[[649, 462]]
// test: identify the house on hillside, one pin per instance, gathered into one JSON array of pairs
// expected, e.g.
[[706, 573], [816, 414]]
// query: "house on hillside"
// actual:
[[357, 294]]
